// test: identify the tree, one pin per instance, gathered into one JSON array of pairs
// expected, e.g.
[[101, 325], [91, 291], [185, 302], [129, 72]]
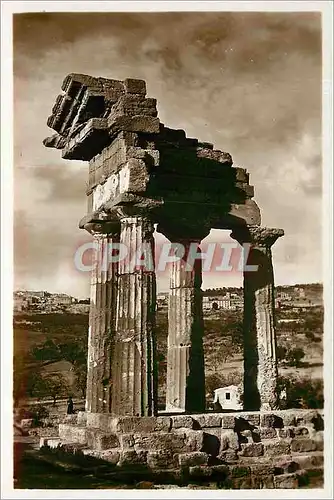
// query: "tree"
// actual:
[[220, 355], [46, 352], [213, 382], [294, 356], [301, 393], [37, 385], [56, 385], [281, 353], [46, 385], [73, 352], [81, 378]]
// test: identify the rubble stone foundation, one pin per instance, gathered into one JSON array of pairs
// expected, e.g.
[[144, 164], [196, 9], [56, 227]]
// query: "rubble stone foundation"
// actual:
[[281, 449]]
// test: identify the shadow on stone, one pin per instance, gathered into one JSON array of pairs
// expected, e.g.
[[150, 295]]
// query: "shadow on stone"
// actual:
[[211, 444], [318, 423]]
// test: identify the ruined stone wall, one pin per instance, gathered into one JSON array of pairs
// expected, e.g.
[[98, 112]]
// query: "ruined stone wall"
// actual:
[[283, 449]]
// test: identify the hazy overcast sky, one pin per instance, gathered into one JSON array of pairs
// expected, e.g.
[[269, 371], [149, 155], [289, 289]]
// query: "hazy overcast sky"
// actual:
[[248, 82]]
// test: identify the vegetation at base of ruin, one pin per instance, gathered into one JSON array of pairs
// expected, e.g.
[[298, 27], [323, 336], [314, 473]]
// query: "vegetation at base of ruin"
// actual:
[[301, 392], [290, 357]]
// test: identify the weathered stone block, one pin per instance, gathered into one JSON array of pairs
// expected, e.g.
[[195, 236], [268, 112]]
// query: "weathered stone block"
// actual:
[[101, 421], [276, 448], [162, 459], [73, 433], [271, 420], [262, 469], [228, 456], [286, 481], [194, 440], [309, 461], [224, 442], [175, 442], [144, 124], [301, 431], [126, 440], [303, 445], [251, 450], [221, 469], [242, 483], [192, 459], [240, 471], [306, 417], [100, 440], [133, 86], [111, 456], [70, 419], [132, 457], [252, 418], [285, 465], [184, 421], [228, 421], [200, 471], [286, 432], [288, 417], [232, 439], [267, 433], [142, 424], [208, 420], [319, 442], [263, 482]]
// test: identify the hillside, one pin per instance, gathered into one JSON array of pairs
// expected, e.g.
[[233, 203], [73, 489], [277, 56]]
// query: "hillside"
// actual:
[[50, 343]]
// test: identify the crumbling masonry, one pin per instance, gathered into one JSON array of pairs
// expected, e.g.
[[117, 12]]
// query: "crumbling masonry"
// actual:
[[142, 173]]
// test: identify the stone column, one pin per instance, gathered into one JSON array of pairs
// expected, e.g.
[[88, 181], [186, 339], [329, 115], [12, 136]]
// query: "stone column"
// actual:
[[101, 323], [134, 370], [185, 390], [260, 363]]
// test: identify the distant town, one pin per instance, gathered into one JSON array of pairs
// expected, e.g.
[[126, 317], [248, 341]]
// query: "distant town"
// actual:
[[298, 298]]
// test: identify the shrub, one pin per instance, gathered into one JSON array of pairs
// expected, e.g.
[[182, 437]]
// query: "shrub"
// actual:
[[301, 393], [38, 414]]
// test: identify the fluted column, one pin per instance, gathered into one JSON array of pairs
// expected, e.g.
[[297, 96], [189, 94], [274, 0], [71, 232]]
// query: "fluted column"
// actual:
[[101, 324], [185, 390], [134, 370], [260, 363]]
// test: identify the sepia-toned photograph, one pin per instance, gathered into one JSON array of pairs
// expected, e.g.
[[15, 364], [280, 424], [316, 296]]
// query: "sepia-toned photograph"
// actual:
[[170, 327]]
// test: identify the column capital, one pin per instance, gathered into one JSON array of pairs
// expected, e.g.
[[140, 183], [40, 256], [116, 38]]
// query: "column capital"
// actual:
[[256, 235], [97, 229]]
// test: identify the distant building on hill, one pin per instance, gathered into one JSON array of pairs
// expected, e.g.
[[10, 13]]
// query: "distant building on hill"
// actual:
[[230, 301], [62, 298], [20, 303]]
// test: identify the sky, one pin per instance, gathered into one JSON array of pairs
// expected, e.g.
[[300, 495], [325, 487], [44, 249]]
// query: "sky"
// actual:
[[250, 83]]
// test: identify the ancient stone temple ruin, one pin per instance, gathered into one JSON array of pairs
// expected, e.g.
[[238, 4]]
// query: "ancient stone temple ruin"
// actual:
[[144, 175]]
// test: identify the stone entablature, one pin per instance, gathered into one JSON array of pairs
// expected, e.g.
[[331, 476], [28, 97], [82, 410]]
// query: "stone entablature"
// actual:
[[114, 126]]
